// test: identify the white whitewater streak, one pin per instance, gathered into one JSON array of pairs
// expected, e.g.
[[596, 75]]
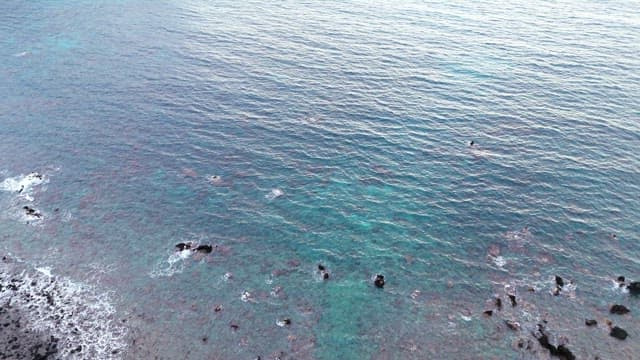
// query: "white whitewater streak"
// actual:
[[22, 183], [172, 265], [499, 261], [273, 194]]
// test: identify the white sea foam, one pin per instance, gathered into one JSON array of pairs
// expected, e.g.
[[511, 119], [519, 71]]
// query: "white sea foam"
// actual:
[[616, 286], [23, 184], [246, 296], [45, 270], [72, 312], [481, 153], [24, 188], [499, 261], [519, 236], [173, 264], [215, 179], [273, 194]]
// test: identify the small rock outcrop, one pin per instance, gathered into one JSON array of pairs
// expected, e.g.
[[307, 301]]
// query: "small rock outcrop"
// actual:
[[204, 249], [590, 322], [618, 333], [634, 288], [619, 309]]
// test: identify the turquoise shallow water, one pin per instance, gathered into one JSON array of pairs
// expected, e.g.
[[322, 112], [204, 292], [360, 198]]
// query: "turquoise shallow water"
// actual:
[[360, 115]]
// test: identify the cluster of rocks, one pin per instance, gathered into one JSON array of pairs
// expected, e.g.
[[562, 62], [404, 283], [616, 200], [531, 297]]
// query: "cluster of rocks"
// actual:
[[561, 351], [18, 340], [204, 248], [541, 333], [29, 211], [324, 273], [45, 317]]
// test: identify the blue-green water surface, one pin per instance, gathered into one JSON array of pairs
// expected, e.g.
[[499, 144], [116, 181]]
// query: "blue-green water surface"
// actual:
[[339, 133]]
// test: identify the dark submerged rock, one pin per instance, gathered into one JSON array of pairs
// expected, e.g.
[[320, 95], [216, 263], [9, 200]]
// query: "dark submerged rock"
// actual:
[[379, 281], [621, 279], [618, 333], [513, 325], [498, 303], [619, 309], [321, 267], [559, 281], [590, 322], [488, 313], [513, 300]]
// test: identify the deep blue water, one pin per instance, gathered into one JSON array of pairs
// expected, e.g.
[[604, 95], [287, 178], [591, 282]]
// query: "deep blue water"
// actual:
[[360, 113]]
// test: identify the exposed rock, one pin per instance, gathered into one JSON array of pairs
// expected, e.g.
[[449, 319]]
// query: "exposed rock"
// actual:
[[18, 342], [619, 309], [560, 351], [488, 312], [634, 288], [559, 281], [204, 249], [183, 246], [564, 353], [618, 333], [379, 281], [513, 299], [32, 212], [590, 322], [323, 271]]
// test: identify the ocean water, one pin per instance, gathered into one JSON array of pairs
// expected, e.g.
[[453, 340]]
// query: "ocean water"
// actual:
[[338, 133]]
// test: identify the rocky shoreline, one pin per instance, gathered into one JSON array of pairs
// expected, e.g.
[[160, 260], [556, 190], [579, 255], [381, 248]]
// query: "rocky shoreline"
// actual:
[[47, 317], [17, 339]]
